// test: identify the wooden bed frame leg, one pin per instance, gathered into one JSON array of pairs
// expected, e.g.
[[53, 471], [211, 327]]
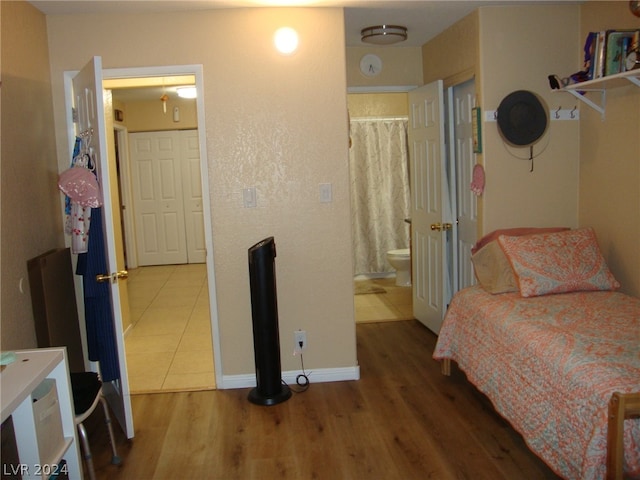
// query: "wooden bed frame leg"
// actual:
[[621, 406], [446, 367]]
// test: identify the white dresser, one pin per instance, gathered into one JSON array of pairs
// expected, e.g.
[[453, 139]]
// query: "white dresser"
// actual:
[[17, 382]]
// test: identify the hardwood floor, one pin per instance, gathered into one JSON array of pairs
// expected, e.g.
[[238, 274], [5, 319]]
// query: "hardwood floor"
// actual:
[[401, 420]]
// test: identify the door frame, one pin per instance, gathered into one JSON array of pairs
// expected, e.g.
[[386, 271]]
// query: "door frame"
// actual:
[[122, 134], [173, 70]]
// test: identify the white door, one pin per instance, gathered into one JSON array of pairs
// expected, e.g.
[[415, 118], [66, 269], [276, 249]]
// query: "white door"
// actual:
[[158, 199], [94, 112], [464, 99], [192, 190], [429, 205]]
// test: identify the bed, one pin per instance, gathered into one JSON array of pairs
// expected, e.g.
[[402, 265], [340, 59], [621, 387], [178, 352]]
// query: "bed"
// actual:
[[548, 339]]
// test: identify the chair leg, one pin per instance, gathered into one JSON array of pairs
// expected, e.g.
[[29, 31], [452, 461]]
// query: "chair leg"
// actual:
[[115, 459], [87, 451]]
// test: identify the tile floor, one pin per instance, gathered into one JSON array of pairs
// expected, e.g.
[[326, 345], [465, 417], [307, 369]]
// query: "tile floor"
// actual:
[[395, 304], [169, 344]]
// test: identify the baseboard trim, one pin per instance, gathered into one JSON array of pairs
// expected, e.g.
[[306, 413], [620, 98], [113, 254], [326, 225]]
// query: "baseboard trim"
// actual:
[[318, 375]]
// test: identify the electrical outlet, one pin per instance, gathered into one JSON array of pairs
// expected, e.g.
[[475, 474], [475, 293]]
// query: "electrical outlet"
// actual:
[[300, 341]]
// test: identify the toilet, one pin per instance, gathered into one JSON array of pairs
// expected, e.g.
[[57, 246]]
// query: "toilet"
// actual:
[[401, 261]]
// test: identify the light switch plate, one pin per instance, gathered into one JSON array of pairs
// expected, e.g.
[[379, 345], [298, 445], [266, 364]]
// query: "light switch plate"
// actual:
[[249, 197], [326, 194]]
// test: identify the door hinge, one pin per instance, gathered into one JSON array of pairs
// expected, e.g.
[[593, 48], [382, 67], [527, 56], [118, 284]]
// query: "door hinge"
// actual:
[[74, 115]]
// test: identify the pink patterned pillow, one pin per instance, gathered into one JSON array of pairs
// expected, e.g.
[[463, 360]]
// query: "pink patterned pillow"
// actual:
[[558, 262]]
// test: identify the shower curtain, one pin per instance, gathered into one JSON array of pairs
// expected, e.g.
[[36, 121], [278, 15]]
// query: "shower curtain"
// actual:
[[378, 163]]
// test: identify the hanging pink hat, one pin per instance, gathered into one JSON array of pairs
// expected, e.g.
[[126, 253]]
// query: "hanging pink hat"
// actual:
[[81, 186]]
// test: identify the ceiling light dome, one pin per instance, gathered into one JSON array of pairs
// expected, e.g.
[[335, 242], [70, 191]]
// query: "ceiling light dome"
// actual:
[[187, 92], [384, 34]]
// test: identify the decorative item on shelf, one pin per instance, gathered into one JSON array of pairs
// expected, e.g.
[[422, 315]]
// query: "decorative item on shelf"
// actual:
[[611, 60], [619, 43], [607, 50], [522, 120], [634, 6], [384, 34], [633, 60], [556, 83]]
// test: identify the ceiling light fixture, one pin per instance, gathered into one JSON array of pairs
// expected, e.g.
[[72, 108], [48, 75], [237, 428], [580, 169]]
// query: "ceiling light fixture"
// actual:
[[187, 92], [384, 34]]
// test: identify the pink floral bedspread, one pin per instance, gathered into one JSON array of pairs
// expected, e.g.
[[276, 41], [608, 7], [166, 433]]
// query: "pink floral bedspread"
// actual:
[[550, 365]]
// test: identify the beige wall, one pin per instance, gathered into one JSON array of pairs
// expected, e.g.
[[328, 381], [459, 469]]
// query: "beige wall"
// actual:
[[148, 116], [514, 55], [31, 220], [489, 45], [378, 104], [588, 174], [401, 66], [610, 159], [453, 56], [274, 122]]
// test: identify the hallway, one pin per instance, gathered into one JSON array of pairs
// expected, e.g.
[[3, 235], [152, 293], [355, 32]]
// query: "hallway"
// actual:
[[169, 345]]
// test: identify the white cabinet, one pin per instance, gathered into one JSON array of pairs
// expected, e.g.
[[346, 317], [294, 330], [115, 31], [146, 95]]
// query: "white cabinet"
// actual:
[[17, 381]]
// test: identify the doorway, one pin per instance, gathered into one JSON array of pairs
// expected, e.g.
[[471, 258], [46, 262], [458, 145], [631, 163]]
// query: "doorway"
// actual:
[[172, 343]]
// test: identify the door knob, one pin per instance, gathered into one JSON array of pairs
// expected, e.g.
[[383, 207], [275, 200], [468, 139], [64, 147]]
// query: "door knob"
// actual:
[[100, 278], [441, 226]]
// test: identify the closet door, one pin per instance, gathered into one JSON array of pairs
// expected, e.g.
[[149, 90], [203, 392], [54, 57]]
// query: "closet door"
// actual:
[[464, 99], [192, 188], [158, 198]]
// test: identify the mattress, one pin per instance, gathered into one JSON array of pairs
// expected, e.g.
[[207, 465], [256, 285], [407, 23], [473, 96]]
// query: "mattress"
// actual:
[[549, 365]]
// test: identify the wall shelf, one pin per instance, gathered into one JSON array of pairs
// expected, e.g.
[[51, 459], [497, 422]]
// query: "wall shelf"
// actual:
[[601, 85]]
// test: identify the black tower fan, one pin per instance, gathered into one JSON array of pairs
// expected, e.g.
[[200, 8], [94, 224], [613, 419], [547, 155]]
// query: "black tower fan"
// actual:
[[266, 340]]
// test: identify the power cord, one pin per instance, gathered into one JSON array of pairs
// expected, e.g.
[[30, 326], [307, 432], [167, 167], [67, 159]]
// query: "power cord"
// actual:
[[302, 380]]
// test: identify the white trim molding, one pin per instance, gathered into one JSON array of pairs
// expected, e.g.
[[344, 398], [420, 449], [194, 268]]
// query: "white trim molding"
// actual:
[[381, 89], [314, 375]]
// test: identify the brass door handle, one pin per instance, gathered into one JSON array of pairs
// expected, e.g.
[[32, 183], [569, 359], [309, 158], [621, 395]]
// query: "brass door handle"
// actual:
[[113, 278], [441, 226]]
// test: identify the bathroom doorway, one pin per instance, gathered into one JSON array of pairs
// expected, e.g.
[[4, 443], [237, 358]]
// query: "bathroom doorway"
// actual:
[[172, 343], [379, 176], [378, 164]]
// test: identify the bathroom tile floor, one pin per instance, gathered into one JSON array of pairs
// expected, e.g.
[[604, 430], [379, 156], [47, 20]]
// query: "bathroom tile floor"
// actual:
[[168, 347], [395, 304]]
